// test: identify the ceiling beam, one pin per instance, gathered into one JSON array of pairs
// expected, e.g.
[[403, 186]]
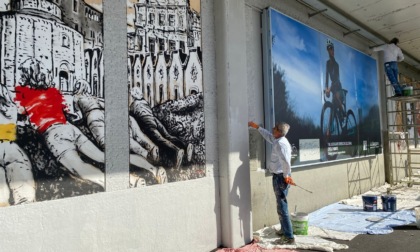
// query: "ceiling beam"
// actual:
[[353, 26]]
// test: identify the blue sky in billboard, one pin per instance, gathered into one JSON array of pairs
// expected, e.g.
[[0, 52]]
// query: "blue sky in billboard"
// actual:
[[300, 52]]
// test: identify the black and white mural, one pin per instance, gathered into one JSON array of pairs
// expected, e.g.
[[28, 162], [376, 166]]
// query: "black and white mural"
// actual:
[[166, 91], [51, 99]]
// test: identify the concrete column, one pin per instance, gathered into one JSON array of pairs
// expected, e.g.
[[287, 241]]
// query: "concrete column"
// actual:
[[231, 56], [384, 104], [116, 96]]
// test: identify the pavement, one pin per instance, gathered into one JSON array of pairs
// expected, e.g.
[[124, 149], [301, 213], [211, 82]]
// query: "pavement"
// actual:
[[404, 239]]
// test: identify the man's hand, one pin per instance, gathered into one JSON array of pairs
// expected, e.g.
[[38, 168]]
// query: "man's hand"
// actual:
[[327, 92], [253, 125], [289, 180]]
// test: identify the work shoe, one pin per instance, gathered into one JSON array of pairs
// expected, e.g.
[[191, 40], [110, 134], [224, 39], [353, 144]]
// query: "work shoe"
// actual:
[[179, 156], [279, 233], [286, 241], [190, 150]]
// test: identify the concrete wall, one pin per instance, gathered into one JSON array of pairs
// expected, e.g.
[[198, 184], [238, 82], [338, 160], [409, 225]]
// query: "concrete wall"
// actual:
[[182, 216], [196, 215], [329, 182]]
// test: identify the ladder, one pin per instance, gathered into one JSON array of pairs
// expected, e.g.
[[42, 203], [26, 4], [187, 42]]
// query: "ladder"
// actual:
[[403, 146]]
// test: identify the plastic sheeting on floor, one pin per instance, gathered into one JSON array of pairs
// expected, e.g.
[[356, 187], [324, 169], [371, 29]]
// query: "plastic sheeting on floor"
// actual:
[[345, 218], [330, 234], [323, 233], [254, 247], [267, 238]]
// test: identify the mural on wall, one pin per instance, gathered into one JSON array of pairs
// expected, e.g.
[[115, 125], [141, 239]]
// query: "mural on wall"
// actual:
[[51, 100], [166, 91], [326, 90]]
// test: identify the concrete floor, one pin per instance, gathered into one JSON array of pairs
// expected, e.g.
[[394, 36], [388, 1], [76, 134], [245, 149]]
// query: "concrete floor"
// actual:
[[403, 239]]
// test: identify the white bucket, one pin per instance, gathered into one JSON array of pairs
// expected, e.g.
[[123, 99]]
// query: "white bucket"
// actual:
[[417, 210], [300, 223]]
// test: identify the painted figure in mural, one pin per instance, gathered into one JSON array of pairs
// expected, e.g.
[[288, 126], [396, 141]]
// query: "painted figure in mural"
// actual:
[[17, 185], [141, 144], [44, 106], [136, 181], [392, 55], [92, 109], [333, 75], [138, 153], [141, 162], [155, 130], [280, 167]]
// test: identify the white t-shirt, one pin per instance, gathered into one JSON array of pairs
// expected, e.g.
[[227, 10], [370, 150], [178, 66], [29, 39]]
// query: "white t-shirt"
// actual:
[[391, 52]]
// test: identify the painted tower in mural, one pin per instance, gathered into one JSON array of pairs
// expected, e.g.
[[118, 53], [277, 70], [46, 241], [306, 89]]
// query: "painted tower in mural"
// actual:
[[165, 50], [66, 36]]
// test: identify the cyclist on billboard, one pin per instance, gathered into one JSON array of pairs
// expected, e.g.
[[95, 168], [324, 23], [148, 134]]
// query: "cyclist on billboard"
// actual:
[[333, 75]]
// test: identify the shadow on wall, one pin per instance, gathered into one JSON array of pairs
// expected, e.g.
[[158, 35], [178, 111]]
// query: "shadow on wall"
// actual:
[[239, 190], [363, 175], [256, 150]]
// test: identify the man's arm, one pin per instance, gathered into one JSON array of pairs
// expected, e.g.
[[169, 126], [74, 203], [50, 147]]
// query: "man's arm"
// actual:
[[400, 56], [327, 71], [379, 48], [264, 133]]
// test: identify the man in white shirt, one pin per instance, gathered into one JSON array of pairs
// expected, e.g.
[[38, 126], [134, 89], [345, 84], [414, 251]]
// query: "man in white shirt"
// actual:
[[392, 55], [280, 167]]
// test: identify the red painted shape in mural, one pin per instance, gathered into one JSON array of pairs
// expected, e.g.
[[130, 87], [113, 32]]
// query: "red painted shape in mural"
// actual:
[[44, 107]]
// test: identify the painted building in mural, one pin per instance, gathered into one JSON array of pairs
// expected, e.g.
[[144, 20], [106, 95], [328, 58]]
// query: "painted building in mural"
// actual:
[[66, 36], [166, 84], [165, 50], [89, 22], [51, 69]]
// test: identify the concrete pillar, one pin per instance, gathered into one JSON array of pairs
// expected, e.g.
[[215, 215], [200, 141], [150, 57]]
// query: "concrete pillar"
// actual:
[[235, 191], [116, 96]]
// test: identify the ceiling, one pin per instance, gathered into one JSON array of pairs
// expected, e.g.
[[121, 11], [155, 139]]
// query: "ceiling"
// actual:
[[377, 20]]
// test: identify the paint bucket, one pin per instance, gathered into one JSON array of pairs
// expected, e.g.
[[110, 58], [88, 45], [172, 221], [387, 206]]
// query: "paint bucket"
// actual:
[[408, 90], [389, 203], [370, 203], [300, 223], [417, 210]]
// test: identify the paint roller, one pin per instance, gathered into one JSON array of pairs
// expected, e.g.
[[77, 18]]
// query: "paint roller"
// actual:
[[301, 187]]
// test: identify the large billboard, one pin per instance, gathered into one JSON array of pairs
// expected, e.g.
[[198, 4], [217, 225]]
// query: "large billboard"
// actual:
[[326, 90]]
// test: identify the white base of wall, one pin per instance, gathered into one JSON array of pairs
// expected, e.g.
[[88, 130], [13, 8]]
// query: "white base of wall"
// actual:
[[140, 219]]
